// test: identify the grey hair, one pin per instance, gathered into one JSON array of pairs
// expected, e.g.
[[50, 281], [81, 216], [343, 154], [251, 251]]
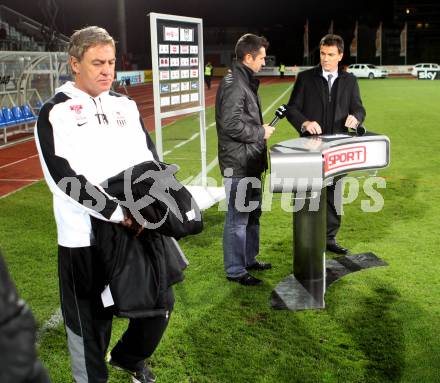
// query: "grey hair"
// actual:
[[83, 39]]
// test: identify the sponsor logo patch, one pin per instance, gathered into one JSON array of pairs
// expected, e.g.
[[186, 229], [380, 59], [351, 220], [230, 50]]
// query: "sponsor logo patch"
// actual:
[[80, 118], [76, 108], [346, 157], [120, 119]]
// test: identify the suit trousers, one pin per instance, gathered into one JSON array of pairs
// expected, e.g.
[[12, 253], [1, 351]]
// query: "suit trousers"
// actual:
[[334, 207]]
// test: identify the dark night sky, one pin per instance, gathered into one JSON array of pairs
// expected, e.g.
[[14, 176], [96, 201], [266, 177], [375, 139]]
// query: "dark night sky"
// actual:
[[277, 19]]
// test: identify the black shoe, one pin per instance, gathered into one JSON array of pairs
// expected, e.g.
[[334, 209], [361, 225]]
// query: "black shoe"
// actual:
[[259, 266], [336, 248], [142, 376], [246, 280]]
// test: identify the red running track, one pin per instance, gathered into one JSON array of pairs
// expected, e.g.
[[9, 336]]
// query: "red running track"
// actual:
[[19, 167], [19, 163]]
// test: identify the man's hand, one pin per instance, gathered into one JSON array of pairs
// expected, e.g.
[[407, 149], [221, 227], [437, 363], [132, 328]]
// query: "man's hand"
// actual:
[[312, 127], [351, 122], [131, 223], [268, 130]]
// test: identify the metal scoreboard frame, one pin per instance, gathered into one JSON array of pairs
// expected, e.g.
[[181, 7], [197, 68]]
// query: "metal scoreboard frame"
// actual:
[[178, 82]]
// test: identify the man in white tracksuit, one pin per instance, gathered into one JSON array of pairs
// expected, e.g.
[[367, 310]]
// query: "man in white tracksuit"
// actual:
[[86, 134]]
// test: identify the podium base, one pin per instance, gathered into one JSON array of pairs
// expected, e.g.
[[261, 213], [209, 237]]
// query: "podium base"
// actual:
[[290, 294], [293, 295], [338, 267]]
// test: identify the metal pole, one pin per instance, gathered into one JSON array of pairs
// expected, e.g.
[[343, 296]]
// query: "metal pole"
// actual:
[[202, 102], [122, 28], [57, 71], [203, 146], [155, 68], [51, 74]]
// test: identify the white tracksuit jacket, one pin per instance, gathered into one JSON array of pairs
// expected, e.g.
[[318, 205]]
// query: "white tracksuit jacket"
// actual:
[[82, 141]]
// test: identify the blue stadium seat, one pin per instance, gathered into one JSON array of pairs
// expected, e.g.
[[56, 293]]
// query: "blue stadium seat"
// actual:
[[27, 113], [38, 106], [2, 120], [8, 116], [3, 125], [18, 114]]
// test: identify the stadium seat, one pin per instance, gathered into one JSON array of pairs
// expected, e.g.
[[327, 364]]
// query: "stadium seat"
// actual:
[[4, 124], [8, 116], [27, 113], [2, 120], [18, 114]]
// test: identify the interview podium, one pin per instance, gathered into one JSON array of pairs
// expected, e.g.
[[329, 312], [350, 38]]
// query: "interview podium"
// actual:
[[305, 166]]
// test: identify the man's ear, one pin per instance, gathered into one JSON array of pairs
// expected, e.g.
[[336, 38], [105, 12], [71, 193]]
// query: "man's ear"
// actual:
[[74, 64], [247, 58]]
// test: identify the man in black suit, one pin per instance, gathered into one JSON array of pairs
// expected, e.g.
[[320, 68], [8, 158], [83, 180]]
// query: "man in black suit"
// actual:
[[326, 100]]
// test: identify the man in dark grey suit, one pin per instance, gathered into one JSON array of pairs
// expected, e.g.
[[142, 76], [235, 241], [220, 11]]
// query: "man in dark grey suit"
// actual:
[[326, 100]]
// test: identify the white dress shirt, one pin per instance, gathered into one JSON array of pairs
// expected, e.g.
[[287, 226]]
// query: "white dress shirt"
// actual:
[[334, 74]]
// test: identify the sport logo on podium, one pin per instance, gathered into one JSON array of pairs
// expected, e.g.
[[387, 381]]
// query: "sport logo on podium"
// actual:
[[344, 157]]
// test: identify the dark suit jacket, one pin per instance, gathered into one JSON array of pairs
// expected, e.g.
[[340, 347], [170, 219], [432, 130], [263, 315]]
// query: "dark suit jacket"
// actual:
[[309, 97]]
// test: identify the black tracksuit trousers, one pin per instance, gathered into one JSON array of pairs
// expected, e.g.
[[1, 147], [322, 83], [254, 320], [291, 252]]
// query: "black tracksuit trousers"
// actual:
[[88, 324]]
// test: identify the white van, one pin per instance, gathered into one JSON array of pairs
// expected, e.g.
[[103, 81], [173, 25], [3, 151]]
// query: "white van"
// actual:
[[424, 67], [367, 70]]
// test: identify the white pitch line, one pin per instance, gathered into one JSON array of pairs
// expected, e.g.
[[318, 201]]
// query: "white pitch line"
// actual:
[[193, 137], [15, 191], [15, 142], [17, 162], [277, 100], [211, 165], [198, 178], [17, 180]]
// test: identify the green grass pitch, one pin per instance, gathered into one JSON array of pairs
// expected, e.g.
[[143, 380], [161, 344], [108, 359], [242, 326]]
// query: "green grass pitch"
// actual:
[[380, 325]]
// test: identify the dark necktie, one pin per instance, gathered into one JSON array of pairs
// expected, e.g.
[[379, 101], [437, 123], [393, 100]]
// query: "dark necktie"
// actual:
[[329, 82]]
